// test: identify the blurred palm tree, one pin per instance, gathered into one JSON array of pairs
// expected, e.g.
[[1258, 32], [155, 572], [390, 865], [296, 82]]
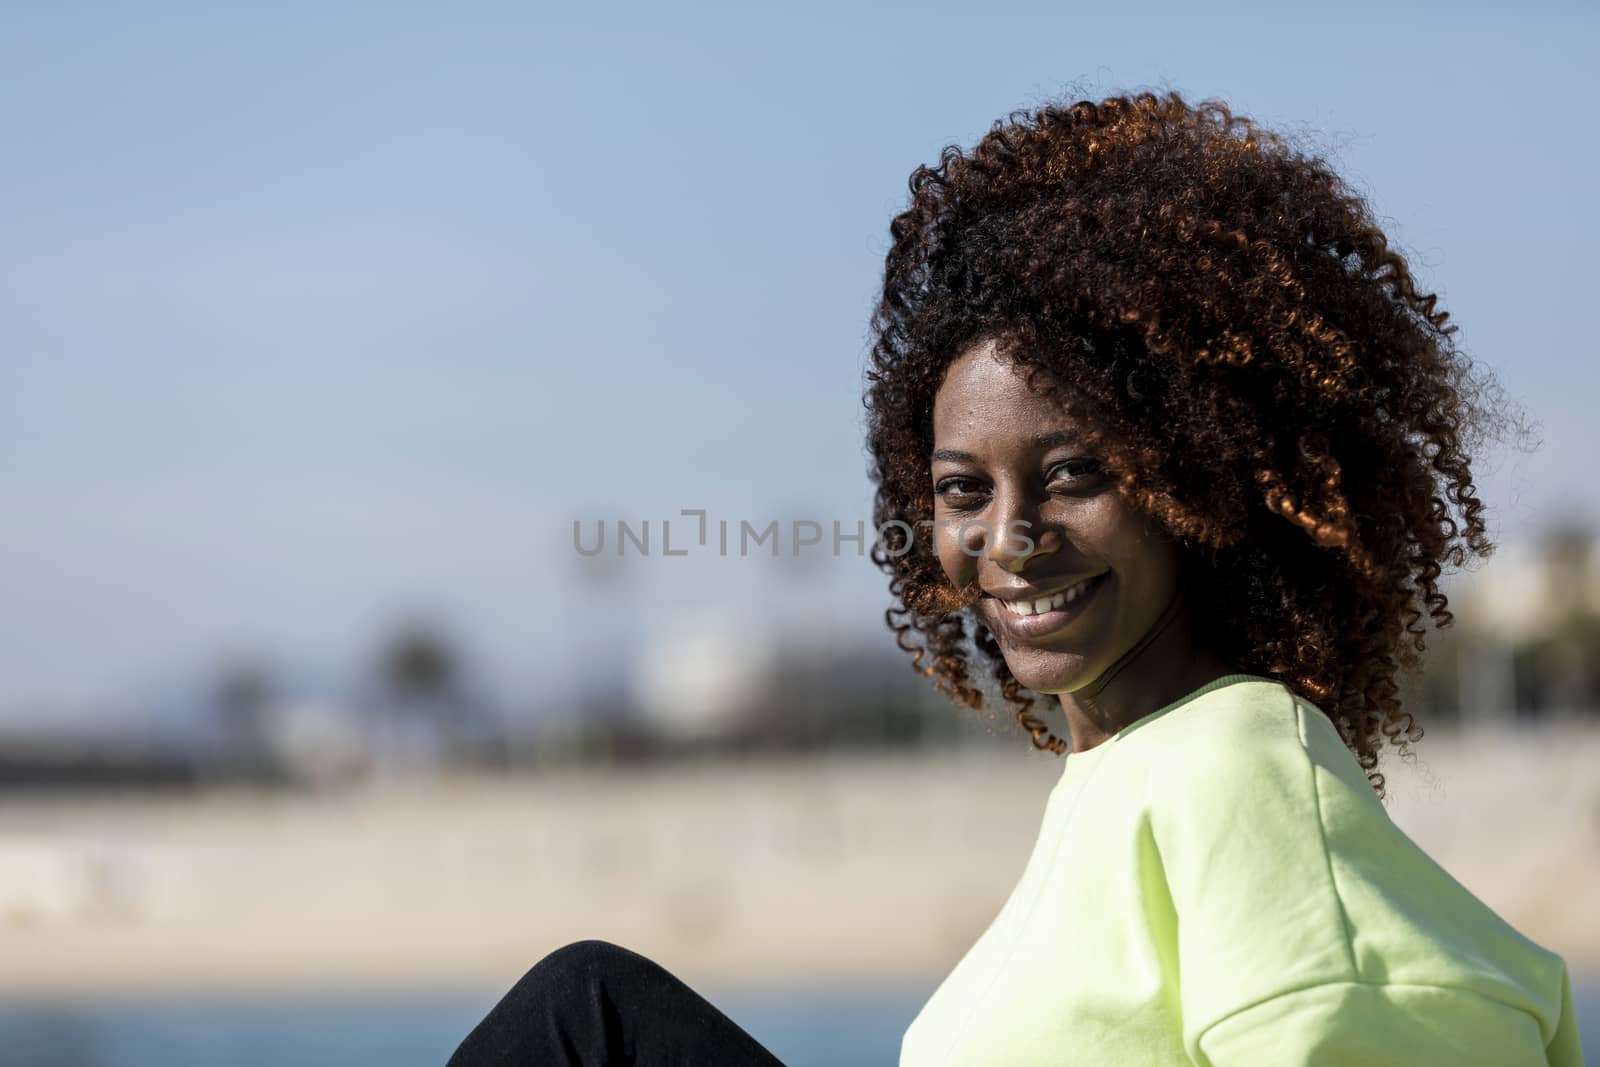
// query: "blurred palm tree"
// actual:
[[429, 711], [243, 696]]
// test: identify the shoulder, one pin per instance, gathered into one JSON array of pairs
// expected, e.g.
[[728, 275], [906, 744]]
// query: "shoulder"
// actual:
[[1235, 812], [1252, 794], [1254, 743]]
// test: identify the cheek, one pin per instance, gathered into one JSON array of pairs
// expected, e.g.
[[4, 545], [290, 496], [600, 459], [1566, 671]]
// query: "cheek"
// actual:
[[1131, 545], [958, 566], [1149, 569]]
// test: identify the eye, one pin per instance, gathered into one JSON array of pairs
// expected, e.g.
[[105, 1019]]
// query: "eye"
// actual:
[[1079, 470], [959, 492]]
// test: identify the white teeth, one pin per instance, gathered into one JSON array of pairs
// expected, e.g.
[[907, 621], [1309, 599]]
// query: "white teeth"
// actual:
[[1049, 603]]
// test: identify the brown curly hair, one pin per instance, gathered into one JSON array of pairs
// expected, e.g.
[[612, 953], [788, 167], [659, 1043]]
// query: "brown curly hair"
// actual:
[[1264, 376]]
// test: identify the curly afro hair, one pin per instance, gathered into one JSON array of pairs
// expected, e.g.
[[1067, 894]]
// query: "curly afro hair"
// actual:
[[1262, 372]]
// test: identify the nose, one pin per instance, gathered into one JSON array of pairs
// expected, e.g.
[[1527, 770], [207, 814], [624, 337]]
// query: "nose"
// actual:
[[1011, 533]]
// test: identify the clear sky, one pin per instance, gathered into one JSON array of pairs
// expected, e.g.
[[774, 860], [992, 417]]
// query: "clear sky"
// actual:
[[311, 315]]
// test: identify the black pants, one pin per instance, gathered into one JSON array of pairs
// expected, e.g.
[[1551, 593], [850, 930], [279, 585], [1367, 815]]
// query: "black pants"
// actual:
[[595, 1004]]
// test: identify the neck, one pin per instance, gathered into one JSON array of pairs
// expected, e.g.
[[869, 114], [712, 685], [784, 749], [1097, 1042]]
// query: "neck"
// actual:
[[1165, 665]]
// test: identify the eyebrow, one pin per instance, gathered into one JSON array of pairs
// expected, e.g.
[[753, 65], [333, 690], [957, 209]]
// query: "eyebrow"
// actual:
[[1042, 441]]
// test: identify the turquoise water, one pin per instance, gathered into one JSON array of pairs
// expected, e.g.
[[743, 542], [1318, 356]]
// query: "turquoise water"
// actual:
[[804, 1029]]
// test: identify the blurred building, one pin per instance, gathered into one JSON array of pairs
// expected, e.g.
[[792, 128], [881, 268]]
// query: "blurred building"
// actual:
[[1526, 639]]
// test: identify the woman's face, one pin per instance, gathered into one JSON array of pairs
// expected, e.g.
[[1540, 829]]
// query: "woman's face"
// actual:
[[1006, 466]]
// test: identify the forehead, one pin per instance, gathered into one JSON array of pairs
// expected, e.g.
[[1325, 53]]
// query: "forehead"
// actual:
[[986, 395]]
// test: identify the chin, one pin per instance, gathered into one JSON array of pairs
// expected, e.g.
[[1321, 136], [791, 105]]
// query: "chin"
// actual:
[[1050, 672]]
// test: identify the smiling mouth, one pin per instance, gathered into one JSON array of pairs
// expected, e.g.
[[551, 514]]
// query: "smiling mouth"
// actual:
[[1031, 619], [1050, 603]]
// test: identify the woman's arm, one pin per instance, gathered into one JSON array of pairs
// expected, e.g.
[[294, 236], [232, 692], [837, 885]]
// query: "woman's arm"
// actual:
[[1309, 929], [1387, 1025]]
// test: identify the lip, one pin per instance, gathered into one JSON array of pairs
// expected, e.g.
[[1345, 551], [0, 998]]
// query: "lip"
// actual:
[[1033, 627], [1039, 592]]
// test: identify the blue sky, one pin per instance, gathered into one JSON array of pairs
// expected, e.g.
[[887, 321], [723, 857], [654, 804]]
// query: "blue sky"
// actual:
[[311, 316]]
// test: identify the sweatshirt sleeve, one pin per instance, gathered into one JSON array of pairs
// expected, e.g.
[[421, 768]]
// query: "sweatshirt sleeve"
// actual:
[[1385, 1025], [1308, 929]]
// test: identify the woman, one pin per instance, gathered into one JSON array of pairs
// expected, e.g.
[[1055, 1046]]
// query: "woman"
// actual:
[[1163, 430]]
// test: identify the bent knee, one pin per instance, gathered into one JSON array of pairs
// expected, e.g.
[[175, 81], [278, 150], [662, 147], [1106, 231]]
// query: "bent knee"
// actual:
[[594, 957]]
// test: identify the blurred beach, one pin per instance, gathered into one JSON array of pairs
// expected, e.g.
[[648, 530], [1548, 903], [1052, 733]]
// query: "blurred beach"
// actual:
[[862, 869]]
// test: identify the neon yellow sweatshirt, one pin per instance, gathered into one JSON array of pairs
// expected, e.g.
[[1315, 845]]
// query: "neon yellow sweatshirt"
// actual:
[[1217, 884]]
